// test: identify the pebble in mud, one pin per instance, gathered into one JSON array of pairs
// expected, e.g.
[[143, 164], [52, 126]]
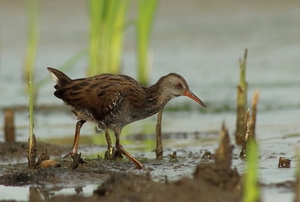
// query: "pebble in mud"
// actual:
[[207, 156], [49, 163], [284, 162], [173, 157]]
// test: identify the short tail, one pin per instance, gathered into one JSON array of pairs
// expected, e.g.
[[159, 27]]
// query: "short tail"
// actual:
[[59, 78]]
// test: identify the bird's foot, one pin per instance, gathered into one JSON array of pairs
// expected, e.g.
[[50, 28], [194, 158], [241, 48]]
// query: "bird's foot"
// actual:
[[112, 154], [76, 161]]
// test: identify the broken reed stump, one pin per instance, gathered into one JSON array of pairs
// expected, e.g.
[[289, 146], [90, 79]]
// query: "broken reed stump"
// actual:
[[247, 134], [9, 126], [31, 152], [223, 154], [249, 125], [241, 101], [284, 162], [254, 111], [159, 147], [44, 156], [219, 173], [44, 161], [297, 186], [31, 140]]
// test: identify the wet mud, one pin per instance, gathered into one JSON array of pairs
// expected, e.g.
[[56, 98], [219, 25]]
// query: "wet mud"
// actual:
[[119, 180], [183, 174]]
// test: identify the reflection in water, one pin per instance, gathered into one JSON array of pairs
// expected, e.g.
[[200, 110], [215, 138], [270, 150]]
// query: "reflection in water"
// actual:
[[40, 194], [36, 195]]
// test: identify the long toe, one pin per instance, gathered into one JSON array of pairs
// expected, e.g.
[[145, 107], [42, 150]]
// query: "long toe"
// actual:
[[72, 154]]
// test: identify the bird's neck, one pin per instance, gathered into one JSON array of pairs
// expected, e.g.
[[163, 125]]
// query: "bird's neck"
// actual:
[[159, 93], [156, 97], [149, 101]]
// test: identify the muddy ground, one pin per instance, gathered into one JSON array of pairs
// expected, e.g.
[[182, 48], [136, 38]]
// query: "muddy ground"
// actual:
[[212, 181]]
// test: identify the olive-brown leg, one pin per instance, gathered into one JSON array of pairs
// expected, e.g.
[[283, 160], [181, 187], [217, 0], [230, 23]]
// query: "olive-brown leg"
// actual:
[[111, 152], [159, 146]]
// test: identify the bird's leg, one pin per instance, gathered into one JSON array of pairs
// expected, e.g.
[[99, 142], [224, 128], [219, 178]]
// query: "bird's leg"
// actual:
[[76, 139], [111, 152], [159, 147], [124, 152]]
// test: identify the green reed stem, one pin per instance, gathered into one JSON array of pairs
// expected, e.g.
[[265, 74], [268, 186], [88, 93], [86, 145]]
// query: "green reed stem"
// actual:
[[95, 7], [106, 35], [30, 87], [146, 10], [32, 38], [251, 188]]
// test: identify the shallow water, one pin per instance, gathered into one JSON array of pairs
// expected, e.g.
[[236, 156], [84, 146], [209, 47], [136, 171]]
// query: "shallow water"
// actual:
[[200, 40]]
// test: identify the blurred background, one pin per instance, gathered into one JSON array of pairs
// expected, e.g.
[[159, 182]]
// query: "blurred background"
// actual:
[[201, 40]]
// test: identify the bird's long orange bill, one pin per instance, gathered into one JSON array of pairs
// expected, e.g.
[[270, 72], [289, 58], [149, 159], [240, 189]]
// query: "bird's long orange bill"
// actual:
[[191, 95]]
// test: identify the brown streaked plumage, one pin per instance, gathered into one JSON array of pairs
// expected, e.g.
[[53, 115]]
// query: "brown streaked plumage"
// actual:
[[113, 101]]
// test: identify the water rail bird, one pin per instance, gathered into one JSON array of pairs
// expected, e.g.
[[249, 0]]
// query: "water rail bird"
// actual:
[[113, 101]]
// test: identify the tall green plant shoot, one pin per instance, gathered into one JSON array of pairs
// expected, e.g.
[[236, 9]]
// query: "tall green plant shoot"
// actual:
[[107, 19], [32, 38], [251, 188], [146, 10]]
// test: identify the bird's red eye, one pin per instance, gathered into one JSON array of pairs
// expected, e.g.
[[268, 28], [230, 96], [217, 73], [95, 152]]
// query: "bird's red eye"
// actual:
[[178, 84]]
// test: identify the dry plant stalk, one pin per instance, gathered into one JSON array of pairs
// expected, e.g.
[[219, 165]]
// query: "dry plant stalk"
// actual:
[[9, 126], [241, 102], [159, 147], [254, 111]]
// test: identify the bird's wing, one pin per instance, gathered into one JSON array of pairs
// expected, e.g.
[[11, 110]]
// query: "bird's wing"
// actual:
[[98, 95]]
